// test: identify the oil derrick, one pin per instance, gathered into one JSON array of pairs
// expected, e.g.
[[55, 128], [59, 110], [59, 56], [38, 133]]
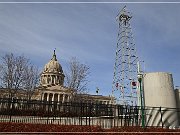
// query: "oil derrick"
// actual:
[[124, 88]]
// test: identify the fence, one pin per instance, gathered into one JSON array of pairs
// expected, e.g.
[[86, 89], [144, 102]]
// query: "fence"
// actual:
[[79, 113]]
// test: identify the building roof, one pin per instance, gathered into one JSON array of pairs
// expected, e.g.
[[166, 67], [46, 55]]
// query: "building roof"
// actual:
[[53, 65]]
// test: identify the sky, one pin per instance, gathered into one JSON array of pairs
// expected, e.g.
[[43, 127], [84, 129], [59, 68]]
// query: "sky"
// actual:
[[88, 31]]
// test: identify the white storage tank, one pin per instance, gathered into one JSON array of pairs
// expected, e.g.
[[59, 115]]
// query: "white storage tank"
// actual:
[[177, 94], [159, 92]]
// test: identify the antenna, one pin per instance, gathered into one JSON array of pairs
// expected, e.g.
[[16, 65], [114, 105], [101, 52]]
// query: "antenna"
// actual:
[[124, 87]]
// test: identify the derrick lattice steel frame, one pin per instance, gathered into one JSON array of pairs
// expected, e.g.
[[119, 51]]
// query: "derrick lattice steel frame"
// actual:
[[125, 68]]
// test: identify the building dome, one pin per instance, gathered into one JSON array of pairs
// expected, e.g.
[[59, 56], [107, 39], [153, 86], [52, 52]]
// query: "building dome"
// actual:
[[53, 66], [52, 73]]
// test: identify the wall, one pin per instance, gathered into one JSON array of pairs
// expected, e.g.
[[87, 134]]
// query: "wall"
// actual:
[[159, 92]]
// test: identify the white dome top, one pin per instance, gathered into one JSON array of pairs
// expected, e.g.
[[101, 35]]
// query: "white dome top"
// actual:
[[53, 66]]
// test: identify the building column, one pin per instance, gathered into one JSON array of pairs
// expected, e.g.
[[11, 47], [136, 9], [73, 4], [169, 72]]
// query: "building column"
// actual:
[[47, 96], [50, 79], [56, 79], [63, 98], [58, 97], [43, 96], [53, 96], [46, 79]]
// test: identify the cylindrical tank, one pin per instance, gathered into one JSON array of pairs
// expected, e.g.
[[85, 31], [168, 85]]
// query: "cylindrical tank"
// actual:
[[159, 93], [177, 95]]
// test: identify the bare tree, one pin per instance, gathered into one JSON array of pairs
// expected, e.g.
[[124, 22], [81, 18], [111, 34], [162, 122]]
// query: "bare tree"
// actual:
[[77, 76], [31, 80], [7, 70], [13, 73]]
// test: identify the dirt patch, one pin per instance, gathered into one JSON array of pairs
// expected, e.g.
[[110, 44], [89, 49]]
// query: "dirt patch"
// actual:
[[42, 129]]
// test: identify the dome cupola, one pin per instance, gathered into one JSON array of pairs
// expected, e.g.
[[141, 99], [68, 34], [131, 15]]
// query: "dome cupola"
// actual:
[[53, 66], [52, 73]]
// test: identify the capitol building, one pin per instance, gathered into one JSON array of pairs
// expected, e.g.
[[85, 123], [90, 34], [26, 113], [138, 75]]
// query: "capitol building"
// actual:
[[52, 87]]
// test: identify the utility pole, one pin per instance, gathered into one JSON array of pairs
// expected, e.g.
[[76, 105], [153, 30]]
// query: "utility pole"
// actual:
[[140, 81]]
